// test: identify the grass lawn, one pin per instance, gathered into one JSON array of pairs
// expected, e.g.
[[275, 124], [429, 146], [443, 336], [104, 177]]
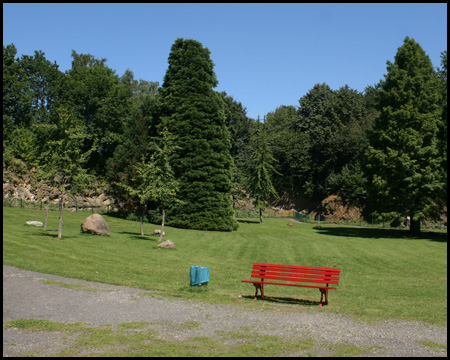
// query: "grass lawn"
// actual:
[[385, 273]]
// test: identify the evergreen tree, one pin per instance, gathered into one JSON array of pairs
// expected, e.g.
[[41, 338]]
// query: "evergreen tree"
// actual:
[[442, 131], [404, 161], [193, 113], [260, 171], [239, 126]]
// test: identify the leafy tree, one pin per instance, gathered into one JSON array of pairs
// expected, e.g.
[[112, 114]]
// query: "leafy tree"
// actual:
[[64, 157], [11, 91], [260, 170], [318, 120], [331, 127], [193, 112], [143, 178], [135, 142], [30, 90], [164, 186], [289, 146], [404, 161], [98, 97]]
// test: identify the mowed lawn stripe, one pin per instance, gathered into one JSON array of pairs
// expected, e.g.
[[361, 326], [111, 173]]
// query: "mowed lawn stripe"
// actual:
[[385, 273]]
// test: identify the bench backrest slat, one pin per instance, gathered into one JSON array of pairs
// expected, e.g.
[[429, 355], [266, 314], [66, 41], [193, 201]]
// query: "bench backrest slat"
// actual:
[[296, 273], [293, 268]]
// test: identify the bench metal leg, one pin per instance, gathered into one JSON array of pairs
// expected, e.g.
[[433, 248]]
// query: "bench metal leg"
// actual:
[[259, 287], [322, 293]]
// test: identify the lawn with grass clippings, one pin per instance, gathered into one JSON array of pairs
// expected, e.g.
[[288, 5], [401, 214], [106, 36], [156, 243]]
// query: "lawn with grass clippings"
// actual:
[[385, 273]]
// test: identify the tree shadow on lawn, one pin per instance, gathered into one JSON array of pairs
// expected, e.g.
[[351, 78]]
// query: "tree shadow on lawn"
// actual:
[[248, 221], [381, 233], [137, 236], [47, 234], [284, 300]]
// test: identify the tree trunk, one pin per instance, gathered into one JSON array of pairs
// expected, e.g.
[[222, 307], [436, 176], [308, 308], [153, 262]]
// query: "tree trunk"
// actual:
[[61, 204], [142, 219], [414, 226], [162, 224], [46, 213], [260, 216]]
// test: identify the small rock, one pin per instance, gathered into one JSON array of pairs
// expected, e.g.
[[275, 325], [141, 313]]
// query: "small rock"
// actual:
[[35, 223], [167, 244], [158, 231]]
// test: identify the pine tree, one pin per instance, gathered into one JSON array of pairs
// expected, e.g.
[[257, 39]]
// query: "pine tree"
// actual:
[[260, 170], [193, 112], [404, 162]]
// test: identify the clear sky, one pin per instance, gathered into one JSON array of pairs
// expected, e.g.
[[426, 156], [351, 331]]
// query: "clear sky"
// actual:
[[265, 55]]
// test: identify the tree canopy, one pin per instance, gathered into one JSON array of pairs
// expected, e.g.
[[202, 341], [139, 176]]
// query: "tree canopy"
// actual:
[[383, 150], [404, 160]]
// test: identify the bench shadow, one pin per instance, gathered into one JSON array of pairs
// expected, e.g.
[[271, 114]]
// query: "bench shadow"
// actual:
[[284, 300]]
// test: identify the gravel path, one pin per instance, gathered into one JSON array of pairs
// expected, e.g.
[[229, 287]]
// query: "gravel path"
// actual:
[[26, 296]]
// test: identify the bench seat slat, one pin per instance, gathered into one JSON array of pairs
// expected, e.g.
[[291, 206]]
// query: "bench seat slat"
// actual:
[[274, 283]]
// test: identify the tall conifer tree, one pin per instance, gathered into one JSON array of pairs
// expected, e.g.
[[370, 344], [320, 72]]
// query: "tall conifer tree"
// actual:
[[260, 170], [193, 112], [404, 160]]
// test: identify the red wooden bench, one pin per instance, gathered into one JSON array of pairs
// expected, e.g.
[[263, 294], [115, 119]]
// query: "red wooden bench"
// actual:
[[319, 278]]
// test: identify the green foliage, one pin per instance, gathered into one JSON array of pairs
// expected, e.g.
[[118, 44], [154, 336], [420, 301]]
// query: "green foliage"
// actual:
[[164, 185], [290, 147], [404, 161], [102, 102], [135, 142], [23, 143], [324, 136], [30, 91], [335, 124], [193, 112], [108, 123], [260, 170]]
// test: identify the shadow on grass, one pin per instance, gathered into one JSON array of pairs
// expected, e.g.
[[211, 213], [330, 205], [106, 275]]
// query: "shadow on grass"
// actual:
[[381, 233], [54, 236], [137, 236], [249, 221], [284, 300]]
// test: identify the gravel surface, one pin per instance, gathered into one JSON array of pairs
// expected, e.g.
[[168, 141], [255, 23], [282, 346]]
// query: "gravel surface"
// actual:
[[25, 296]]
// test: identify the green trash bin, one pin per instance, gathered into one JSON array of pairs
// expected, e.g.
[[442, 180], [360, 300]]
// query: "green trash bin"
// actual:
[[199, 275]]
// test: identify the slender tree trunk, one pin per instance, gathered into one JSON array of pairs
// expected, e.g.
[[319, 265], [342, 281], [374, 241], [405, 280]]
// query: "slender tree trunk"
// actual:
[[61, 204], [260, 216], [46, 213], [162, 224], [142, 219]]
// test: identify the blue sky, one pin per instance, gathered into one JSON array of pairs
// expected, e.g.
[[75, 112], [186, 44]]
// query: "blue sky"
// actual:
[[265, 55]]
